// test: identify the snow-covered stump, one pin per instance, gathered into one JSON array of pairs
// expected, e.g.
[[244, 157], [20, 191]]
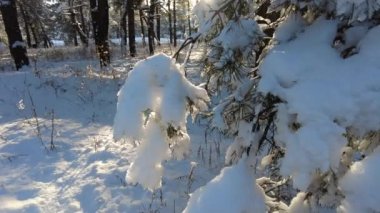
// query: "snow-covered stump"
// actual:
[[152, 109]]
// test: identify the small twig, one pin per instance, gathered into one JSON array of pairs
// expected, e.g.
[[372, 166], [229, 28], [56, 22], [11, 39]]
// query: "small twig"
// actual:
[[34, 112], [264, 136], [52, 146], [279, 184], [188, 41]]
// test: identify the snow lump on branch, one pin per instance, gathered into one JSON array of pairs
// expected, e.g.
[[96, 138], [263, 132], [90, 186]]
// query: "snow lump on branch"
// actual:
[[152, 110]]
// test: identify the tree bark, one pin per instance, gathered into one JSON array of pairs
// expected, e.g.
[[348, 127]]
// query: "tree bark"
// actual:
[[123, 26], [131, 28], [100, 22], [158, 24], [47, 42], [84, 25], [188, 16], [174, 23], [142, 26], [17, 46], [76, 26], [151, 26], [170, 23], [26, 24]]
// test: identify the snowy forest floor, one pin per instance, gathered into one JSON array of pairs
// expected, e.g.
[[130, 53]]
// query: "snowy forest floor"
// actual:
[[57, 153]]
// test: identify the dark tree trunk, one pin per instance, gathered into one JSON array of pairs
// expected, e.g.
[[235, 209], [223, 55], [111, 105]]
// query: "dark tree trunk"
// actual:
[[26, 24], [188, 16], [74, 35], [100, 22], [170, 23], [12, 28], [158, 24], [151, 26], [142, 26], [131, 28], [174, 23]]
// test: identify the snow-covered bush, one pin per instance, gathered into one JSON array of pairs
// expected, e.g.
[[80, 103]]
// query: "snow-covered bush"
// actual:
[[301, 101], [353, 10], [152, 110], [234, 38], [312, 114]]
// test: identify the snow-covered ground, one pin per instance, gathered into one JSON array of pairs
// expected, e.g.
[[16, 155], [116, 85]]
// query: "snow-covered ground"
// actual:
[[72, 105]]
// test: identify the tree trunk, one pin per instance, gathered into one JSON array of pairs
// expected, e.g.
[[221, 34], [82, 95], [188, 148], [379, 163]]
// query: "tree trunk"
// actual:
[[100, 22], [26, 24], [47, 42], [151, 26], [142, 26], [131, 28], [158, 24], [188, 16], [76, 28], [83, 21], [74, 35], [16, 45], [35, 37], [174, 23], [170, 23], [123, 26]]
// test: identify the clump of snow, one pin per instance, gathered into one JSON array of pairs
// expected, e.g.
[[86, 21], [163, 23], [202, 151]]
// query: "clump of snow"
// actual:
[[361, 185], [357, 10], [17, 44], [248, 32], [242, 141], [4, 2], [204, 12], [299, 204], [58, 43], [324, 95], [289, 28], [152, 103], [146, 167], [233, 190]]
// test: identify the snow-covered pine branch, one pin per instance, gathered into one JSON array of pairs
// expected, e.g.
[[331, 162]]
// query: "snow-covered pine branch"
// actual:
[[352, 10], [152, 109]]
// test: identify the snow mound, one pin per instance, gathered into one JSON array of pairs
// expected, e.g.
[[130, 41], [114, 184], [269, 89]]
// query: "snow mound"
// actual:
[[233, 190], [323, 95], [152, 109]]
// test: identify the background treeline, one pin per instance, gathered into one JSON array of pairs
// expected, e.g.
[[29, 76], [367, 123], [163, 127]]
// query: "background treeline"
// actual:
[[28, 24]]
